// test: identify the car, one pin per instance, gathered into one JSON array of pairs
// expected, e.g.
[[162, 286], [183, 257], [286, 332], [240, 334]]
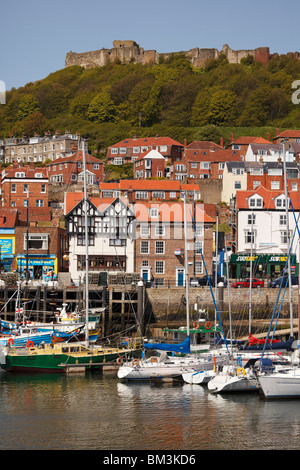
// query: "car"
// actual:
[[246, 283], [277, 282], [204, 281]]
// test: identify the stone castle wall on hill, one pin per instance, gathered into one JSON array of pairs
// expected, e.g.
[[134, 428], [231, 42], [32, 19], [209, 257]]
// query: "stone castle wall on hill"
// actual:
[[127, 52]]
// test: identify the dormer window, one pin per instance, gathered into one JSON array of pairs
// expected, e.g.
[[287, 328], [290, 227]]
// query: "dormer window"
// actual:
[[255, 201], [20, 175], [280, 202]]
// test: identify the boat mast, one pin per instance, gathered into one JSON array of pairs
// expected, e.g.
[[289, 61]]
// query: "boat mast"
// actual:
[[86, 249], [288, 239], [250, 284], [186, 268]]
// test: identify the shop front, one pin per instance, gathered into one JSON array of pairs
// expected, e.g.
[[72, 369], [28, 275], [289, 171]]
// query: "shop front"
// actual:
[[40, 267], [263, 266], [7, 249]]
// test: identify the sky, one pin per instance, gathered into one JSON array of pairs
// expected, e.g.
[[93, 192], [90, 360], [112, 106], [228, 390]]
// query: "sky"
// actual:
[[36, 35]]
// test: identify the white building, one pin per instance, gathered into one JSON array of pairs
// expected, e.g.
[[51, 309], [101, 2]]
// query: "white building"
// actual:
[[265, 209], [110, 235], [263, 153]]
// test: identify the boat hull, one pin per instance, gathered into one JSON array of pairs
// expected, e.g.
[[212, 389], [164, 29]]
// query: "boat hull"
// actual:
[[225, 384], [59, 360], [281, 385]]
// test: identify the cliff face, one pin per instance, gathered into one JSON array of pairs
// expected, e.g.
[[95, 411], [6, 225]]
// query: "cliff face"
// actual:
[[129, 51]]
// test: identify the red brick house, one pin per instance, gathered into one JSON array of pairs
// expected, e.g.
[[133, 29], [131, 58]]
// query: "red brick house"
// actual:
[[160, 242], [23, 186], [208, 163], [288, 135], [68, 170], [129, 150], [150, 164]]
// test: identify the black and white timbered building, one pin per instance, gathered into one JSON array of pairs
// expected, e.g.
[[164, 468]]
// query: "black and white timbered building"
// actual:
[[111, 234]]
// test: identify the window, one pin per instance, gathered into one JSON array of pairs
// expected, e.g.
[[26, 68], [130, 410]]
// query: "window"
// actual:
[[154, 212], [205, 165], [39, 203], [275, 185], [118, 161], [158, 194], [282, 219], [122, 150], [237, 185], [159, 230], [159, 267], [221, 166], [198, 267], [43, 188], [96, 166], [294, 186], [280, 203], [145, 230], [193, 165], [159, 247], [251, 219], [25, 188], [198, 247], [144, 247], [141, 195], [255, 202], [13, 187], [284, 237], [238, 171], [249, 237], [36, 241], [136, 150], [81, 239], [114, 151], [172, 195], [24, 202]]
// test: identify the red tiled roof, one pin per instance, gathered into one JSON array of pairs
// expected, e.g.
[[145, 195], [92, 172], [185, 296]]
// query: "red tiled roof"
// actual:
[[163, 185], [203, 144], [75, 157], [288, 133], [219, 155], [146, 141], [268, 198], [246, 140], [29, 171]]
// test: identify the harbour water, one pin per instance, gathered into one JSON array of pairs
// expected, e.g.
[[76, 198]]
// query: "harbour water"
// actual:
[[98, 412]]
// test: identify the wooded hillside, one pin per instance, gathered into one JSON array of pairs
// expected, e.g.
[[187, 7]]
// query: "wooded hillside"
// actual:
[[117, 101]]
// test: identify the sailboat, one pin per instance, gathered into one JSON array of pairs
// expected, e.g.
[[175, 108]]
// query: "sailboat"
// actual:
[[59, 356], [165, 366]]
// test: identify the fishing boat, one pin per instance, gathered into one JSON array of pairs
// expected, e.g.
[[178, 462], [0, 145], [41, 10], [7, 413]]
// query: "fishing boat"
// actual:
[[25, 335], [60, 357]]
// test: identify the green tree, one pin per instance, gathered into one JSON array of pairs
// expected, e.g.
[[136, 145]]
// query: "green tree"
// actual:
[[28, 105], [102, 108], [222, 107]]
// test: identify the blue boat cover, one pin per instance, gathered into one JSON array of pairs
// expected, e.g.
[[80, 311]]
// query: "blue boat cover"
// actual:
[[286, 345], [183, 347]]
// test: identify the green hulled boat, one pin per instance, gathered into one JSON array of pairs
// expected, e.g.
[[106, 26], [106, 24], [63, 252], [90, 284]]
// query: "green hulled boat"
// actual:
[[62, 357]]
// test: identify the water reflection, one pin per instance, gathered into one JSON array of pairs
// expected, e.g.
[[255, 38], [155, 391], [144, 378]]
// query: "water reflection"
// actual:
[[97, 411]]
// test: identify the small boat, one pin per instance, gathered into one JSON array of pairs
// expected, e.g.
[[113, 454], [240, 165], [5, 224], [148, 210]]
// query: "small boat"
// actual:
[[25, 335], [199, 377], [59, 357], [233, 379]]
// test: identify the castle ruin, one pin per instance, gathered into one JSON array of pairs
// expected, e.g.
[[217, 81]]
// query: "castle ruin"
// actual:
[[126, 52]]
